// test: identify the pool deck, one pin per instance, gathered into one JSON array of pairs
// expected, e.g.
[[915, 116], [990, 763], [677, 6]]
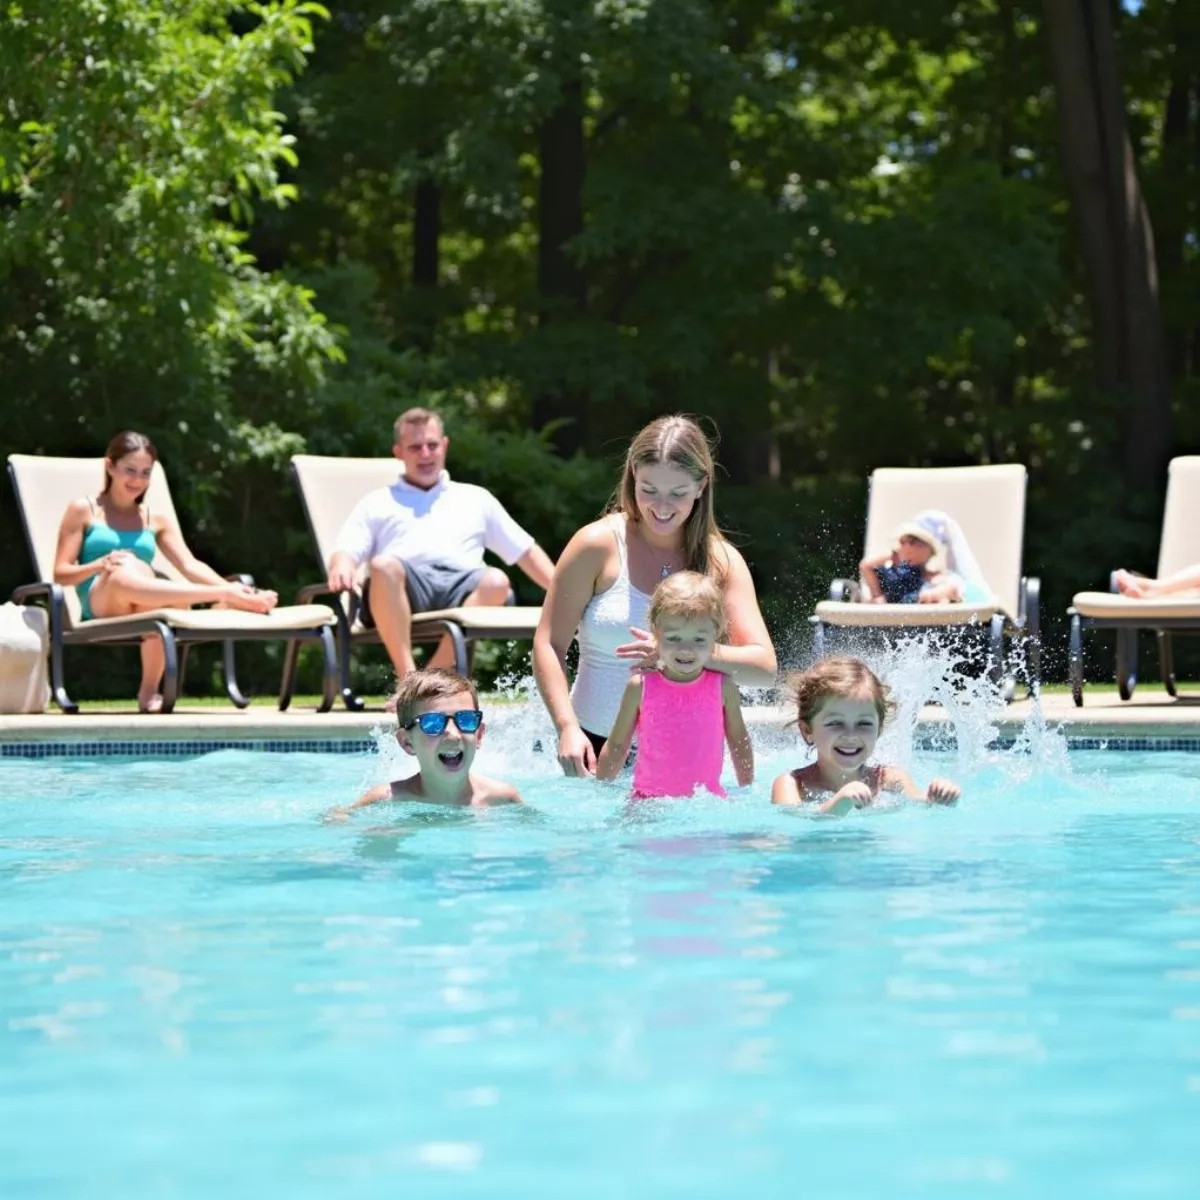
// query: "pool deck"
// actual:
[[1151, 714]]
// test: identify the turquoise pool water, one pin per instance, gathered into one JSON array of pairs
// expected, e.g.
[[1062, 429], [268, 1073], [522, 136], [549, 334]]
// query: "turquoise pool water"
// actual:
[[206, 991]]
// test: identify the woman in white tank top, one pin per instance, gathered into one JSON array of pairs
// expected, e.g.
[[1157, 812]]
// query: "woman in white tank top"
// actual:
[[661, 522]]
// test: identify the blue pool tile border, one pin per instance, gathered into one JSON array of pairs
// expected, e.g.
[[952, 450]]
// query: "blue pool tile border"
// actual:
[[193, 747], [1121, 742], [183, 748]]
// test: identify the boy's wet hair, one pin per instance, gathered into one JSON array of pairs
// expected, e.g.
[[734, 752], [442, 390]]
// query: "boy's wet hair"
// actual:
[[690, 596], [844, 678], [432, 683]]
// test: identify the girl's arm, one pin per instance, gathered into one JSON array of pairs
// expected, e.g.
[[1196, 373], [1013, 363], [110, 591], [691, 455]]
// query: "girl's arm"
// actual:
[[748, 657], [941, 589], [896, 779], [786, 790], [67, 569], [736, 736], [175, 549], [940, 791], [616, 748], [866, 570], [571, 587]]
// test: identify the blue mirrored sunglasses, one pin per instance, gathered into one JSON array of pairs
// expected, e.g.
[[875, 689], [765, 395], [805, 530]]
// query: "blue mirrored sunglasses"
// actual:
[[434, 724]]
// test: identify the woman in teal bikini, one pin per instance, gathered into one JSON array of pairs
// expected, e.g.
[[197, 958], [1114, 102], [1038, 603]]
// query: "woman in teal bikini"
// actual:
[[107, 543]]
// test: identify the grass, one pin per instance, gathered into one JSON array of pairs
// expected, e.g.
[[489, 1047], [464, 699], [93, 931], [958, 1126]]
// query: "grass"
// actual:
[[221, 703]]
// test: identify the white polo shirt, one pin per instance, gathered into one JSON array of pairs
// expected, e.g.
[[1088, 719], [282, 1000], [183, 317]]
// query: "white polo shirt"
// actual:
[[450, 524]]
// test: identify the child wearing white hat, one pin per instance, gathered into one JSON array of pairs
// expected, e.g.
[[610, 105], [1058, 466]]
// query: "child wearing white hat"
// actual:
[[921, 568]]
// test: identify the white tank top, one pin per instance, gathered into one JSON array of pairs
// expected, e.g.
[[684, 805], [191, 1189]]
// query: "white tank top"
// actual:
[[602, 676]]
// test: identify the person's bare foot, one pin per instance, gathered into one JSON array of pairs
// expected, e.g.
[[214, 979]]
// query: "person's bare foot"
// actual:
[[248, 599], [151, 702], [1128, 584]]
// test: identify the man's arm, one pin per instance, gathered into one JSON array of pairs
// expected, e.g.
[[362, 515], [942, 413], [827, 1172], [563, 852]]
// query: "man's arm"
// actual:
[[354, 545], [538, 565], [343, 572]]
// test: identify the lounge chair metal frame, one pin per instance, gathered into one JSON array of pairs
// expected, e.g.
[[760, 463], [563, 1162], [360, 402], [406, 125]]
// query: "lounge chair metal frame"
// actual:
[[1179, 547], [1016, 612], [1127, 629], [464, 626], [176, 641], [1026, 626]]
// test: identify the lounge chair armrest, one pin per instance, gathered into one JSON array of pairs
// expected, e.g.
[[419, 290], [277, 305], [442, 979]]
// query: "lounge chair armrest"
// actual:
[[1031, 605], [309, 593], [312, 592], [845, 591], [38, 591]]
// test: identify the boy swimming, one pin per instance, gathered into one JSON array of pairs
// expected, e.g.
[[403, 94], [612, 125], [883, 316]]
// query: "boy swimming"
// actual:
[[439, 723]]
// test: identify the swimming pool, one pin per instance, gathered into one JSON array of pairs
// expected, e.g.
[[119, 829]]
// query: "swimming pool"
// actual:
[[203, 987]]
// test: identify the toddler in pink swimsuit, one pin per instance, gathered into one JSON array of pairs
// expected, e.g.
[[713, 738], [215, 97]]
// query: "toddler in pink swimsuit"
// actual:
[[683, 713]]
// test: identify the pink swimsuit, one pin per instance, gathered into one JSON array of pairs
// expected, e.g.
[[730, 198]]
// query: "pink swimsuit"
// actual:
[[680, 736]]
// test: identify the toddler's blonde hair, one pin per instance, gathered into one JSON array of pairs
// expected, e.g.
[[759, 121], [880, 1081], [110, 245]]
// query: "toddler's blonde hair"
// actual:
[[690, 596]]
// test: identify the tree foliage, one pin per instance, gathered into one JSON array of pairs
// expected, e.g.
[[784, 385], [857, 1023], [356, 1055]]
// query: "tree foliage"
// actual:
[[848, 235]]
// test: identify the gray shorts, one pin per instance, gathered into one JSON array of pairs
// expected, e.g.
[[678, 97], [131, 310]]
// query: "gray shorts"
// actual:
[[430, 586]]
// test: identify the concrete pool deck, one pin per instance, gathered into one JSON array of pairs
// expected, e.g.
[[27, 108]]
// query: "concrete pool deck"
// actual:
[[1151, 714]]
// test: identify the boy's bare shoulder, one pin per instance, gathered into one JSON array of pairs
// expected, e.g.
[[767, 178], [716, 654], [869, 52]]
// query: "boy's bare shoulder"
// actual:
[[486, 791]]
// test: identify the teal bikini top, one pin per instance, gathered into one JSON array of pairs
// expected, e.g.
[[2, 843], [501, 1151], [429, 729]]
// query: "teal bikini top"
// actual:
[[100, 539]]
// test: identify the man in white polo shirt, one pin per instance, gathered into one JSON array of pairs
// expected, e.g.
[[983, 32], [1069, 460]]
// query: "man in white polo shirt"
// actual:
[[423, 539]]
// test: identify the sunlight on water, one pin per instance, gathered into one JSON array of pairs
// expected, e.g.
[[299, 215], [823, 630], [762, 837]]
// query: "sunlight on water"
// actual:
[[520, 738], [207, 989]]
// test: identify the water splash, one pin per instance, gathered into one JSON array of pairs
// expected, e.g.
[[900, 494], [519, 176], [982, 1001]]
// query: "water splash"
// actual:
[[924, 669]]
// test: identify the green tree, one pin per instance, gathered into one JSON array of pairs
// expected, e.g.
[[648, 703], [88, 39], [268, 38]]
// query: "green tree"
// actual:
[[136, 140]]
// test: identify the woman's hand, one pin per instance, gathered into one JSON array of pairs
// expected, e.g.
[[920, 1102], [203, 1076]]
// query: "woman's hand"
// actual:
[[642, 654], [114, 560], [576, 755]]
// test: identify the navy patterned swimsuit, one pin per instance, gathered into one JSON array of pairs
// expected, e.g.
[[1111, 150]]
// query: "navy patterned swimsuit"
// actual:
[[900, 583]]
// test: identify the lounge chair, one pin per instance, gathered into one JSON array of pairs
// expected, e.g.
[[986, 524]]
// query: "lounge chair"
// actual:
[[989, 505], [330, 488], [44, 487], [1166, 615]]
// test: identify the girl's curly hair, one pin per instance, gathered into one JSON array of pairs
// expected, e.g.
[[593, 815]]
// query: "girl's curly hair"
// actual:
[[841, 677]]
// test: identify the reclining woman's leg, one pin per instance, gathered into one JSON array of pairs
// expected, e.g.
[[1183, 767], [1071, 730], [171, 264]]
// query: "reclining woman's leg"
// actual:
[[133, 587], [1140, 587], [154, 662]]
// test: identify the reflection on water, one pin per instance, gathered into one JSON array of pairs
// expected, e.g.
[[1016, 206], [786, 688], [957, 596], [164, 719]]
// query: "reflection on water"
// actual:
[[203, 988]]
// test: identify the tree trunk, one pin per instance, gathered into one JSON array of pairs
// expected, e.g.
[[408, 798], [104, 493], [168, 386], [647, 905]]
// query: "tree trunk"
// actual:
[[427, 229], [1115, 230], [562, 286]]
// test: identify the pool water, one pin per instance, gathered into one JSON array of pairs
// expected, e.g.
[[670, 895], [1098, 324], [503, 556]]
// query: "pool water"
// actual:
[[204, 989]]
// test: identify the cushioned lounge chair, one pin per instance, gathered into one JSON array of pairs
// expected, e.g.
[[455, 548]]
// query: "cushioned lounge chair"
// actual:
[[1165, 615], [330, 488], [44, 487], [989, 505]]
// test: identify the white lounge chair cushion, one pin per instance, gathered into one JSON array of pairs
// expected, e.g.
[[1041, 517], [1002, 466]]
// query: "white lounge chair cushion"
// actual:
[[224, 620], [501, 620], [1111, 605], [897, 616]]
